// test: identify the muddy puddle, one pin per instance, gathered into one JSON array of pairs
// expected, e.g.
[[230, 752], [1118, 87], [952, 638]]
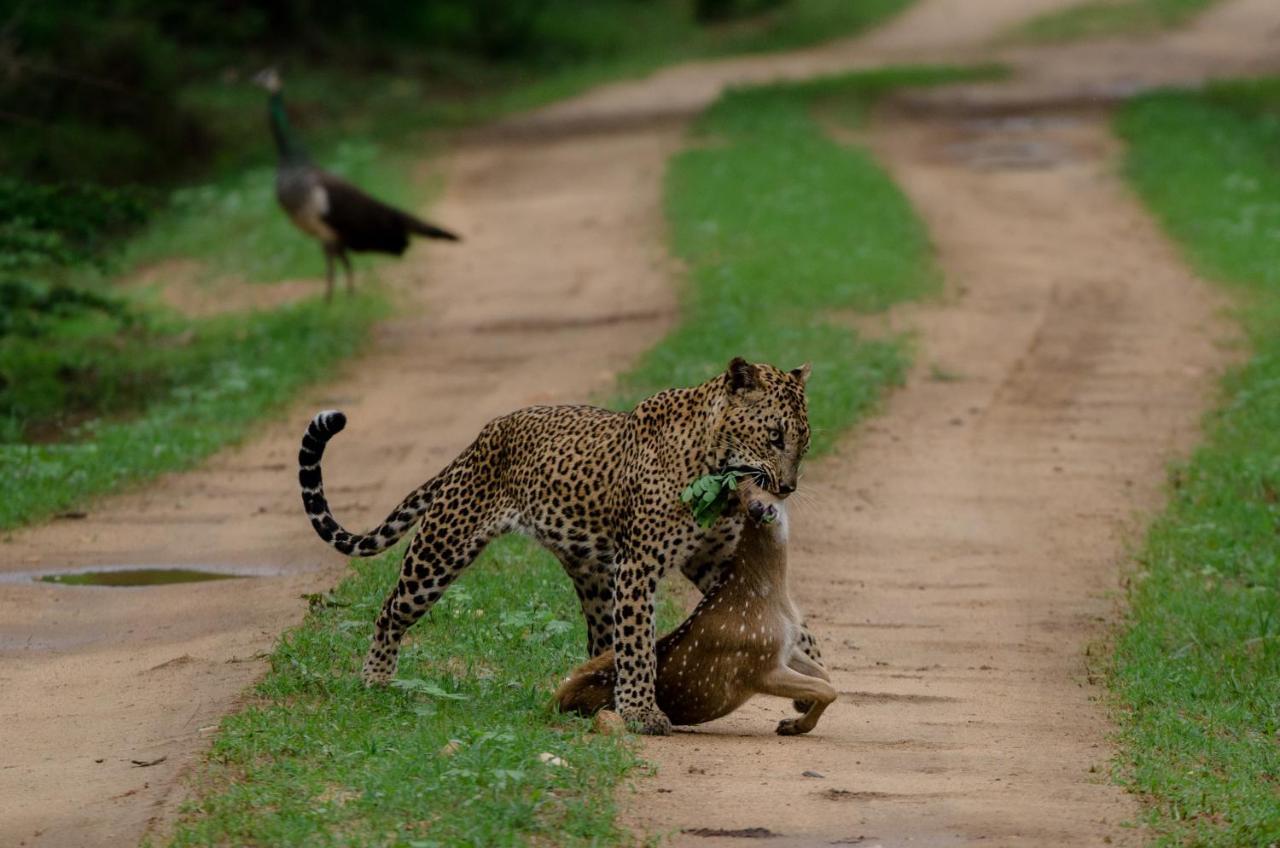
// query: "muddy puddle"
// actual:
[[135, 577]]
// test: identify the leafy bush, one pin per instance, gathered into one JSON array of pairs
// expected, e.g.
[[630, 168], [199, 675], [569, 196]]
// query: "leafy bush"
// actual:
[[62, 224], [35, 311], [710, 11]]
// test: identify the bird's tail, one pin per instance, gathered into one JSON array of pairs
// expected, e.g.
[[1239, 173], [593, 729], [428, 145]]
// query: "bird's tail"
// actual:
[[589, 687], [319, 431], [422, 228]]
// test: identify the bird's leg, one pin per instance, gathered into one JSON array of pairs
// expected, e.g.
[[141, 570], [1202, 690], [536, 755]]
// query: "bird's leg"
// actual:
[[346, 263], [328, 274]]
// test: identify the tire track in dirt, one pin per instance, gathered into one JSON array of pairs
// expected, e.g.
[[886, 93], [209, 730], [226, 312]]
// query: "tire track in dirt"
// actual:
[[959, 559]]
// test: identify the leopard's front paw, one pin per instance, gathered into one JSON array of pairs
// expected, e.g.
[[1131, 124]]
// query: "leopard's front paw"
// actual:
[[377, 672], [650, 721]]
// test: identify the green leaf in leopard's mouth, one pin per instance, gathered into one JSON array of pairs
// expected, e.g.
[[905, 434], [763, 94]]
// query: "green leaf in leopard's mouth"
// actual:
[[709, 495]]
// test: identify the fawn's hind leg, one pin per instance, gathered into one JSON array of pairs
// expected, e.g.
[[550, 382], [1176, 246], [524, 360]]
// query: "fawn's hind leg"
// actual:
[[446, 543], [788, 683], [706, 571], [803, 663]]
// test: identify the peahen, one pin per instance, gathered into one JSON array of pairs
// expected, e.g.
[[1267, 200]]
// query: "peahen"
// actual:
[[342, 217]]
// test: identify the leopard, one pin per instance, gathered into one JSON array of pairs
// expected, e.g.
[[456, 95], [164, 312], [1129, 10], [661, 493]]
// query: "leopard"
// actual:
[[601, 490]]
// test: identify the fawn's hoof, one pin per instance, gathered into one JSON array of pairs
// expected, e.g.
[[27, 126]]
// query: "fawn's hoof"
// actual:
[[790, 727]]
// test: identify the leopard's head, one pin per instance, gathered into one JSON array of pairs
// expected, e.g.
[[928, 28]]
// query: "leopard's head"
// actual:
[[764, 432]]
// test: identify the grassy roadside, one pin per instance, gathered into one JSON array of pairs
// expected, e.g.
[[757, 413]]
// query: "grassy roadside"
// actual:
[[318, 760], [158, 392], [782, 228], [1111, 17], [1197, 671], [164, 394], [102, 387]]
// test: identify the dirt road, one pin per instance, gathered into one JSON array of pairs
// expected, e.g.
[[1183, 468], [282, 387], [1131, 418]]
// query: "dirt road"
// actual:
[[963, 552], [562, 281]]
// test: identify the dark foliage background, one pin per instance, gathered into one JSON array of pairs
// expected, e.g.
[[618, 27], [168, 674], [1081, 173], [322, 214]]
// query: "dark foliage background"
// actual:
[[95, 90]]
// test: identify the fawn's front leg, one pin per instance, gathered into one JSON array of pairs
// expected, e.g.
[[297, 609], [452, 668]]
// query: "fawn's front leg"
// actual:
[[788, 683]]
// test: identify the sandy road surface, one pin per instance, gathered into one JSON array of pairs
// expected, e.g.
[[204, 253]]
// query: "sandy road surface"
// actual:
[[959, 556], [562, 281]]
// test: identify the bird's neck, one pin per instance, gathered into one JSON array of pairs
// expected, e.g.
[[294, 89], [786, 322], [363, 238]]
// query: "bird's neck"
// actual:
[[290, 150]]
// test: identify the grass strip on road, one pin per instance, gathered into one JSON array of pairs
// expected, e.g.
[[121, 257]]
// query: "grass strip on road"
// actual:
[[1111, 18], [783, 229], [1197, 670]]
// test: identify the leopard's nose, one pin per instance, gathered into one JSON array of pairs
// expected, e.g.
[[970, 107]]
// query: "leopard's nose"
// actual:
[[786, 488]]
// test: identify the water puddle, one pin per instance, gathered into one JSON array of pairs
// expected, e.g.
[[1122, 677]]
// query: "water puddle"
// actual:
[[136, 577]]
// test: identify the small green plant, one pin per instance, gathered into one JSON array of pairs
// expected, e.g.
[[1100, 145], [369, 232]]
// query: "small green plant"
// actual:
[[942, 374], [709, 495], [1111, 17]]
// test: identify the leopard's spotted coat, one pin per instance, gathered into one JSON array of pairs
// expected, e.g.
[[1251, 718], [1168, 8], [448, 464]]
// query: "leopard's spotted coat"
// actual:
[[601, 490]]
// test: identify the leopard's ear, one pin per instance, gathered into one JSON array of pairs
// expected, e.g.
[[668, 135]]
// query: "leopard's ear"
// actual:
[[742, 376], [802, 373]]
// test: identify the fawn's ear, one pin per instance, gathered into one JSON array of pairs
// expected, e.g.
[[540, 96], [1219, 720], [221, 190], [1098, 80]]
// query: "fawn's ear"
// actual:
[[802, 373], [743, 377]]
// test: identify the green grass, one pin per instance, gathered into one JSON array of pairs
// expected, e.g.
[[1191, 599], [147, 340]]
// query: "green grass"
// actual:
[[782, 228], [184, 391], [1197, 670], [1111, 17], [317, 759]]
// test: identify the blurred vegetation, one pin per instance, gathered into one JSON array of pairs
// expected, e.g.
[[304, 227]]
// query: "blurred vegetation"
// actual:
[[105, 106], [130, 135], [143, 91], [1197, 671], [1111, 17], [96, 392]]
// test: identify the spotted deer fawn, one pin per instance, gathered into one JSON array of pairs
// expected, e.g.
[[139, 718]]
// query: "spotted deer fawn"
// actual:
[[741, 640]]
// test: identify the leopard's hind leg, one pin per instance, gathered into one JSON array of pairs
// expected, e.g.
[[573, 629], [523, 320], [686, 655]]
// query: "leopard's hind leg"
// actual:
[[595, 593], [449, 540]]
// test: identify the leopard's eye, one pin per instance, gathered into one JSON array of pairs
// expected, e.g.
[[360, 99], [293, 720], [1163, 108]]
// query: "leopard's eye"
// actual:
[[777, 439]]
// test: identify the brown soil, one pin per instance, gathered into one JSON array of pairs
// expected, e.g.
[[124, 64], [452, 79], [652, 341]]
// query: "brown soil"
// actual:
[[962, 556], [955, 565]]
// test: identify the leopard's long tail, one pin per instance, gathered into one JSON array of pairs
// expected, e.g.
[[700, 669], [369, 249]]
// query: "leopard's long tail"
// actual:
[[321, 429]]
